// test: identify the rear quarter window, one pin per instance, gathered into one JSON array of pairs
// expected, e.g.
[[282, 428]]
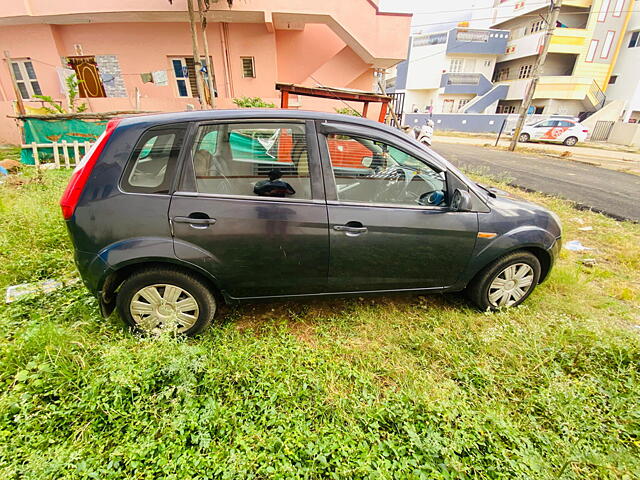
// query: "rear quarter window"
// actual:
[[152, 165]]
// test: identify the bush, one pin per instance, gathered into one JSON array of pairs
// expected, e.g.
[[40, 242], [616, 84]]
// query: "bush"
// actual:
[[252, 102]]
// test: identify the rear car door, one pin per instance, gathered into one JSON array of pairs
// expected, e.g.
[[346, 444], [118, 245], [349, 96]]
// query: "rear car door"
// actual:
[[389, 224], [250, 208]]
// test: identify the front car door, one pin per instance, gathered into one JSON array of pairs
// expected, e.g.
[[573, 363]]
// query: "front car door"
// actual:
[[250, 208], [542, 130], [389, 224]]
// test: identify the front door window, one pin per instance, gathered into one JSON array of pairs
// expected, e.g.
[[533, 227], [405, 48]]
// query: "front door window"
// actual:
[[372, 172]]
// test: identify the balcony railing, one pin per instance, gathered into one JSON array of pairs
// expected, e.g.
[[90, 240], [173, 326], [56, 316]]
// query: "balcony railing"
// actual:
[[463, 79]]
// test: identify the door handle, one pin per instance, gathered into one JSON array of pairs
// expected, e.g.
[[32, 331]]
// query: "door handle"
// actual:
[[195, 222], [351, 228]]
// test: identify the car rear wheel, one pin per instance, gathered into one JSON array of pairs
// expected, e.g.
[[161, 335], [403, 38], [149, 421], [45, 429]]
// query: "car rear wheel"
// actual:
[[507, 282], [524, 137], [160, 300], [570, 141]]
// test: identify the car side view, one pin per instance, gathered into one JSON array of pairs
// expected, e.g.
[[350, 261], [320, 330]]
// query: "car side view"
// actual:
[[172, 214], [554, 130]]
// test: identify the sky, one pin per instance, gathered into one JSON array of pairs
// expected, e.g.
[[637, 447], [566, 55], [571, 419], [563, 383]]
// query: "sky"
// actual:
[[437, 15]]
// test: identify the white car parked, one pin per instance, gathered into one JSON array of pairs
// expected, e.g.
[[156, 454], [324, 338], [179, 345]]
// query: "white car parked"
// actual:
[[558, 130]]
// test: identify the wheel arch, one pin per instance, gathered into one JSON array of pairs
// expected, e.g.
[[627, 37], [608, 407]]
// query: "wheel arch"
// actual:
[[118, 274]]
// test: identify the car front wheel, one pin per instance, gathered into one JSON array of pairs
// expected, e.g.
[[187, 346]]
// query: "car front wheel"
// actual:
[[524, 137], [570, 141], [507, 282], [160, 300]]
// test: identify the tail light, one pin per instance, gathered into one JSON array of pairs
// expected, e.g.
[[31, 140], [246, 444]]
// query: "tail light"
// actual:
[[585, 131], [72, 193]]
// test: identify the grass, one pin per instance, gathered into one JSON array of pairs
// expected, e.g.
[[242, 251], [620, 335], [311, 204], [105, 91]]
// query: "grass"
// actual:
[[391, 387]]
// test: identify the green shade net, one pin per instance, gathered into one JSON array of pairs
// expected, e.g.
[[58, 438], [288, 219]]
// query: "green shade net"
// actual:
[[49, 131]]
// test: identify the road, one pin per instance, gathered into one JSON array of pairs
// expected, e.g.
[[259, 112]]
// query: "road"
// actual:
[[613, 193]]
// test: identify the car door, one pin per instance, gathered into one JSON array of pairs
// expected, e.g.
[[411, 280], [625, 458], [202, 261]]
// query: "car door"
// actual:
[[250, 208], [541, 130], [389, 224]]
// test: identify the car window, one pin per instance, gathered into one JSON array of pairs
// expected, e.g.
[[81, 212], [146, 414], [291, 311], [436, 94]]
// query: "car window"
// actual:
[[369, 171], [258, 159], [153, 161], [547, 123], [565, 123]]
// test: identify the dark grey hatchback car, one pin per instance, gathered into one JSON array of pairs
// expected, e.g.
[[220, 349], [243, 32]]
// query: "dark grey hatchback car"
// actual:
[[171, 214]]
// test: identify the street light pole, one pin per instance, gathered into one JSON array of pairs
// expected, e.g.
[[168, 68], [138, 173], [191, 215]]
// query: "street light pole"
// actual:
[[551, 20]]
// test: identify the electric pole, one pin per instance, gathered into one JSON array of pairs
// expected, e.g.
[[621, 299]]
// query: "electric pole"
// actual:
[[205, 42], [196, 54], [551, 20]]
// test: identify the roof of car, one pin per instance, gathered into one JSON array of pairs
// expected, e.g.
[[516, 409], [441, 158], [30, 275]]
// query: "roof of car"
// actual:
[[245, 114]]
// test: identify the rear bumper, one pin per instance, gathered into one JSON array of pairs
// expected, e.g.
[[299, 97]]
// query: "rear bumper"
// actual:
[[92, 269]]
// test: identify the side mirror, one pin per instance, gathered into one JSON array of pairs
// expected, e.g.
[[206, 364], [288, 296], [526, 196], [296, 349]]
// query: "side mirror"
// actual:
[[461, 201]]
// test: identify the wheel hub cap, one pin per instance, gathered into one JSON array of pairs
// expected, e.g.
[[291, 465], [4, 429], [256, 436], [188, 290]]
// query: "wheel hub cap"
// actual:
[[511, 285], [162, 307]]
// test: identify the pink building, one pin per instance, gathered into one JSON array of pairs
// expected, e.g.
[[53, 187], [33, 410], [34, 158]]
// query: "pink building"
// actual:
[[138, 52]]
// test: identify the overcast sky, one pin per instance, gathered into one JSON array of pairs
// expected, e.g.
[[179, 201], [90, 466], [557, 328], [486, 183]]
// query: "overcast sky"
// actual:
[[434, 15]]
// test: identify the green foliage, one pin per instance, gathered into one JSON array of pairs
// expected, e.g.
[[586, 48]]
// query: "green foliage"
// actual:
[[348, 111], [252, 102], [402, 387], [53, 107]]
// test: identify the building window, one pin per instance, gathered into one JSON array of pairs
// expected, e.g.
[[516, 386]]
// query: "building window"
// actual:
[[90, 83], [506, 109], [617, 10], [602, 14], [612, 79], [462, 102], [592, 51], [536, 27], [501, 75], [184, 71], [456, 65], [525, 71], [487, 63], [26, 78], [432, 39], [606, 46], [248, 67], [635, 40]]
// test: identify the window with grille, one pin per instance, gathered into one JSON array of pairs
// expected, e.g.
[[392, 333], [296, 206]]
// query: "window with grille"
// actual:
[[525, 71], [248, 67], [456, 65], [537, 26], [184, 71], [634, 41], [462, 102], [501, 75], [26, 79]]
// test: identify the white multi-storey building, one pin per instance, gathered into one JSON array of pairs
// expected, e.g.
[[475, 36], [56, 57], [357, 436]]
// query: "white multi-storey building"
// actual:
[[450, 71], [624, 83]]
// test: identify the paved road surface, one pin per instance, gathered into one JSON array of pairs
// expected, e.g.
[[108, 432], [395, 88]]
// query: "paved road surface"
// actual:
[[614, 193]]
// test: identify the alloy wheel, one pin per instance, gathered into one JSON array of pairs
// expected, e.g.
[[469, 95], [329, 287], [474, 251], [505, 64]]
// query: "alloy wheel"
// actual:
[[511, 285], [164, 307]]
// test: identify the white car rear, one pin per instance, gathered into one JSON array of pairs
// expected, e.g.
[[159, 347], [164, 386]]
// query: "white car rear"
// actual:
[[568, 132]]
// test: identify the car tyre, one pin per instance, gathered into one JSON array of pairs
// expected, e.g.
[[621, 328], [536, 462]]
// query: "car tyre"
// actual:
[[524, 138], [570, 141], [156, 300], [506, 282]]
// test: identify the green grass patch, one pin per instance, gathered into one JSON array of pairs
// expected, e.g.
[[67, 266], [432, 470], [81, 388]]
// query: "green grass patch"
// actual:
[[385, 387]]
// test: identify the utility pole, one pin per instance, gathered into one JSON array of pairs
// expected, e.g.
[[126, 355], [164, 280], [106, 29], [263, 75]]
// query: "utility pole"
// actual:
[[14, 82], [551, 20], [196, 54], [205, 43]]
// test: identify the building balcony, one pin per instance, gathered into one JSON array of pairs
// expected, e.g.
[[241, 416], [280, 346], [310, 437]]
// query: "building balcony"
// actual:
[[465, 83], [568, 40], [557, 87], [477, 41]]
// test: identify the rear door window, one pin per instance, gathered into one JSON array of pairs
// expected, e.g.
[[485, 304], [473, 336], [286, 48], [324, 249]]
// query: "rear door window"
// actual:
[[152, 165], [262, 159]]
